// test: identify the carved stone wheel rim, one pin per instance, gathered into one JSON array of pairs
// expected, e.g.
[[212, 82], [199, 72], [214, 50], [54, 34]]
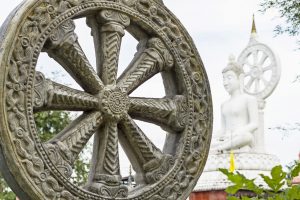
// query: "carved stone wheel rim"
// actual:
[[257, 84], [37, 170]]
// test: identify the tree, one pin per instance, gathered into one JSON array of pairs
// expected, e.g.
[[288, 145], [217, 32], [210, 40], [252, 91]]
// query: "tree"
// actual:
[[289, 10], [51, 122]]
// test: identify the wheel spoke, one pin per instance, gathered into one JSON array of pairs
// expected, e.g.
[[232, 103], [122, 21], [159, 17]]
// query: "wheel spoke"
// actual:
[[108, 30], [255, 57], [256, 85], [270, 67], [148, 61], [105, 161], [248, 63], [50, 95], [146, 158], [250, 82], [264, 80], [65, 147], [110, 164], [168, 113], [63, 47], [77, 134], [262, 59]]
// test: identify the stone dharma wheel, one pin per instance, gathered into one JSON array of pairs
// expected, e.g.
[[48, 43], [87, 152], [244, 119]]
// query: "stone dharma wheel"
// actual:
[[42, 170]]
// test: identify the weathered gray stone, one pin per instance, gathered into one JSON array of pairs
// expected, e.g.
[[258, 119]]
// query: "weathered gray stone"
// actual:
[[37, 170]]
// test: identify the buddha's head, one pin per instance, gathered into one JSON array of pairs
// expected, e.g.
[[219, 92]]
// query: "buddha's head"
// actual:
[[231, 75]]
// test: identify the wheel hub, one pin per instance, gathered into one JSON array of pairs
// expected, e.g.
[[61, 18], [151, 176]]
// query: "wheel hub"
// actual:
[[114, 103], [256, 72]]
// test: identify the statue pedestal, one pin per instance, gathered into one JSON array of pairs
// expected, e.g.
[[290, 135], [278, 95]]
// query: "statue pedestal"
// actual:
[[247, 163]]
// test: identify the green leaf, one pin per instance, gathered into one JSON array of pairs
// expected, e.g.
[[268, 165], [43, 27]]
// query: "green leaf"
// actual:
[[251, 186], [293, 192], [277, 173], [225, 171], [246, 198], [233, 189], [235, 178], [296, 170], [232, 198], [277, 179], [240, 182]]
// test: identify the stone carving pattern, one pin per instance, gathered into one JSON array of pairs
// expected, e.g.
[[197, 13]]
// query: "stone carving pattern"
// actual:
[[165, 112], [65, 148], [15, 99], [111, 161], [157, 108], [61, 95], [76, 137], [114, 102], [154, 59], [112, 32], [113, 42], [141, 142], [61, 157], [201, 122], [63, 46], [17, 79], [155, 163], [50, 95]]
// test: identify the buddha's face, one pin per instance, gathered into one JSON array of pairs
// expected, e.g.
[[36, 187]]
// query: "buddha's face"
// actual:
[[231, 81]]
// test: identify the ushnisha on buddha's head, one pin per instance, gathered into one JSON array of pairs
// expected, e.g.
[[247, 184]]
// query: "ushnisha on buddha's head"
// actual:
[[231, 76]]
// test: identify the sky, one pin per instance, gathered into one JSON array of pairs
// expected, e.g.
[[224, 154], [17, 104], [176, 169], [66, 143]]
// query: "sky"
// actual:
[[219, 28]]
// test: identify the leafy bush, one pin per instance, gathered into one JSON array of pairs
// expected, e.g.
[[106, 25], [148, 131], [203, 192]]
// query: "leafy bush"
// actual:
[[280, 187]]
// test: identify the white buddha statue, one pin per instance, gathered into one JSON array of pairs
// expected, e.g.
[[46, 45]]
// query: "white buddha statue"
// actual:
[[239, 114]]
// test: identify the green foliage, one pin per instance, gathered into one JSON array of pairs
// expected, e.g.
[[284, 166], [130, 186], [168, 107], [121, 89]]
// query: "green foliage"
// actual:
[[51, 122], [277, 179], [5, 191], [240, 182], [288, 9], [80, 176], [236, 198], [295, 170], [278, 182]]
